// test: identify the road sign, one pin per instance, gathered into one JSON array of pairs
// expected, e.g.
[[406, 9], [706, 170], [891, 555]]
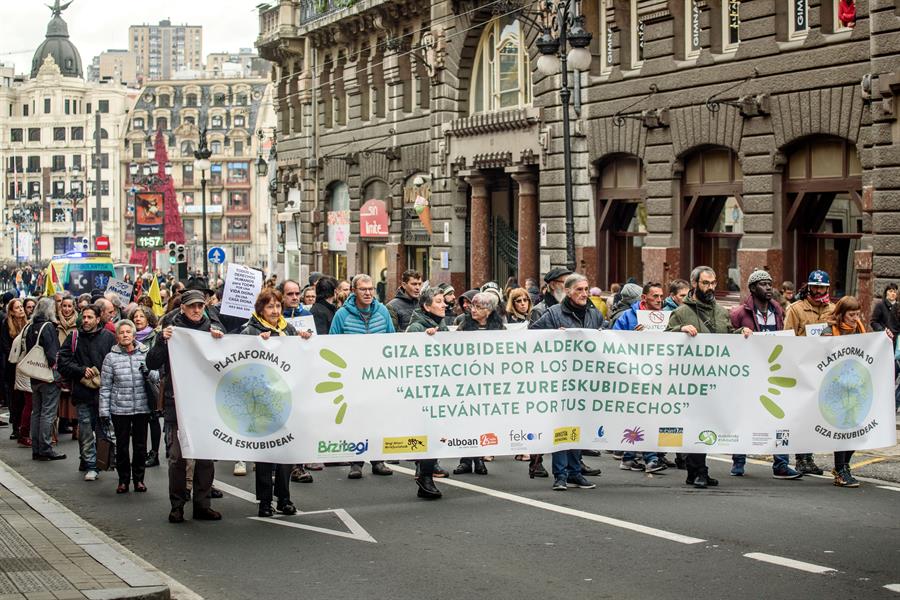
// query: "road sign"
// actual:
[[102, 242], [216, 255]]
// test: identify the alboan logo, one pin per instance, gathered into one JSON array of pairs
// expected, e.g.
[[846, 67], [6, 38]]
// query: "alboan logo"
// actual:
[[333, 385]]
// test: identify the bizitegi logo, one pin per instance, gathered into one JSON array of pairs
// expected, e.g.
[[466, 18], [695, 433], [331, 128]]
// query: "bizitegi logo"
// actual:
[[343, 447]]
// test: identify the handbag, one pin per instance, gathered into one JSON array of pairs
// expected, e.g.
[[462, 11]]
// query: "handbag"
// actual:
[[34, 364], [17, 350], [106, 453]]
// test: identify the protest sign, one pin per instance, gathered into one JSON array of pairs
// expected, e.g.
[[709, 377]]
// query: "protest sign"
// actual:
[[242, 286], [122, 289], [370, 397], [307, 323], [816, 329], [653, 320]]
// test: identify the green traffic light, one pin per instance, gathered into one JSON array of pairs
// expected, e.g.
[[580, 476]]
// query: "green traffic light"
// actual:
[[172, 260]]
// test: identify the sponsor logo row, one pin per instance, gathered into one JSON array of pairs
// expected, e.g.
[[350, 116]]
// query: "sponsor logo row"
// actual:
[[671, 437]]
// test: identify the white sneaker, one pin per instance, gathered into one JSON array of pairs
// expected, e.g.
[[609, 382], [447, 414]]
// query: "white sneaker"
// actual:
[[240, 468], [91, 476]]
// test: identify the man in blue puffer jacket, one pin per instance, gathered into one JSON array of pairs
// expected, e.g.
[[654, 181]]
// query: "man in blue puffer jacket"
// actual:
[[362, 313]]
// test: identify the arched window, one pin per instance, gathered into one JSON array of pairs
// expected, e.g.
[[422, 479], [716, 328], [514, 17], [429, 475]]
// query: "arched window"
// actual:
[[501, 77], [104, 135], [217, 122], [621, 218]]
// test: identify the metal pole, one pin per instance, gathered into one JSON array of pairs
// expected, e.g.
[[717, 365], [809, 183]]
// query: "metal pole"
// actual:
[[98, 221], [564, 95], [203, 218]]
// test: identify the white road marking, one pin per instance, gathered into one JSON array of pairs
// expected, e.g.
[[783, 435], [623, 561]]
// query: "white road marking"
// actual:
[[660, 533], [887, 487], [790, 563], [357, 532], [894, 587]]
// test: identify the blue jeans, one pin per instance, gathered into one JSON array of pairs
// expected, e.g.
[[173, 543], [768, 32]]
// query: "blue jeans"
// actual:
[[566, 463], [44, 406], [87, 424], [779, 460], [648, 456]]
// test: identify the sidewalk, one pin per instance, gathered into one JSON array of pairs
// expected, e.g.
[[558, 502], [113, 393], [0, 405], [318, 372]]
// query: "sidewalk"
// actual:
[[49, 553]]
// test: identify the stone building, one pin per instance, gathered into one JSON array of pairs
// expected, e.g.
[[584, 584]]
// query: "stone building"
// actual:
[[47, 149], [743, 135], [237, 202]]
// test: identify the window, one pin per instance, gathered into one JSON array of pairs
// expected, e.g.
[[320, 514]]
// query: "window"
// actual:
[[239, 228], [76, 161], [68, 106], [215, 174], [104, 160], [77, 134], [190, 120], [238, 148], [104, 135], [187, 174], [237, 172], [104, 212], [215, 228], [14, 164], [187, 199], [190, 100], [216, 147], [34, 189], [59, 134], [188, 225], [215, 199], [15, 135], [187, 148], [103, 106], [104, 187], [241, 100], [838, 16], [59, 189], [138, 123], [502, 74], [136, 149], [34, 164], [239, 121], [34, 134], [88, 111], [219, 99], [25, 110], [688, 31], [238, 201], [216, 122], [58, 163], [162, 123], [163, 100], [46, 106], [726, 27]]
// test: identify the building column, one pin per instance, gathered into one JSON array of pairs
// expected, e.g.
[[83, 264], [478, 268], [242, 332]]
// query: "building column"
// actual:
[[479, 229], [528, 262]]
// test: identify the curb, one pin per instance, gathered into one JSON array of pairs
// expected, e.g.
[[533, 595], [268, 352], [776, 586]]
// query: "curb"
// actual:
[[145, 581]]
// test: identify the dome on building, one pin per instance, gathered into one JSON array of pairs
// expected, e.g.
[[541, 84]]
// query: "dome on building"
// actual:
[[58, 45]]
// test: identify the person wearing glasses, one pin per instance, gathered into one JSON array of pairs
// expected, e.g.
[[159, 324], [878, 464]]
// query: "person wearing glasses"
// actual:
[[518, 307], [362, 313]]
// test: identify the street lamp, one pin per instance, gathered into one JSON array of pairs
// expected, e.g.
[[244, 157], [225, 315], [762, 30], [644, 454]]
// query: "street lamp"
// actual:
[[556, 56], [201, 163]]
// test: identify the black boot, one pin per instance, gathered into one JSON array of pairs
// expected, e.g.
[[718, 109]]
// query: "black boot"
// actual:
[[480, 467], [427, 489], [536, 466], [464, 466], [152, 459]]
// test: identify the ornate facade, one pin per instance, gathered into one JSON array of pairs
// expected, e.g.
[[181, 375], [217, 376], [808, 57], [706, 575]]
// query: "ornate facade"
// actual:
[[737, 134]]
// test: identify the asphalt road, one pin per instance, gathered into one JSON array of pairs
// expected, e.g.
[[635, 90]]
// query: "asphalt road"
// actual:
[[505, 536]]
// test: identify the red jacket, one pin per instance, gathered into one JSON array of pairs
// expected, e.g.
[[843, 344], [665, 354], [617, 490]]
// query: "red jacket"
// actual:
[[744, 315]]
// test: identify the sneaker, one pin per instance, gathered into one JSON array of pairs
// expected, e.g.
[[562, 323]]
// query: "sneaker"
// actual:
[[589, 471], [786, 472], [843, 478], [654, 466], [286, 507], [355, 472], [579, 481], [618, 454], [738, 470], [91, 475], [559, 485], [631, 465], [240, 468], [663, 459], [440, 471], [807, 466], [301, 475], [152, 459]]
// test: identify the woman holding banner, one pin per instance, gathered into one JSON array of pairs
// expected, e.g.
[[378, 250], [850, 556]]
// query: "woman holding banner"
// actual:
[[267, 320]]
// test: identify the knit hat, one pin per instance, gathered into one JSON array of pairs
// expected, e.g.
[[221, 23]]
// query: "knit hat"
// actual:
[[492, 288], [631, 293], [757, 276], [446, 288]]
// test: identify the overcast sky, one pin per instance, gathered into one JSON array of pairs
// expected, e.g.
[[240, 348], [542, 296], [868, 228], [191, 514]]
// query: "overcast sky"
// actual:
[[98, 25]]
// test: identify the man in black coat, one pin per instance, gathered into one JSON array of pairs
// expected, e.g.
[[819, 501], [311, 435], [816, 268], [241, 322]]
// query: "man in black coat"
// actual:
[[191, 315], [884, 317], [406, 301], [324, 307], [83, 350], [555, 280]]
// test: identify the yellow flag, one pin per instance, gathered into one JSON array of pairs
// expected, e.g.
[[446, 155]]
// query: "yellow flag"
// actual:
[[49, 289], [154, 294]]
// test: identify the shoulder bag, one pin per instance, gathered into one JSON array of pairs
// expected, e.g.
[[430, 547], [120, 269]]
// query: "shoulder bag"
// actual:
[[34, 363]]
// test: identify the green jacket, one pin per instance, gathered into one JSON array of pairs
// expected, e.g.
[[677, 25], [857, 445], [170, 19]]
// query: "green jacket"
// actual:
[[707, 318], [420, 321]]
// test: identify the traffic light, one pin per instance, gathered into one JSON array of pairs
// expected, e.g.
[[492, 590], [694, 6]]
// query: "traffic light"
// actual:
[[173, 252], [181, 254]]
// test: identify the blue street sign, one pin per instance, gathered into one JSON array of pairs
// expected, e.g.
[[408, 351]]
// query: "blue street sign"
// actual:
[[216, 255]]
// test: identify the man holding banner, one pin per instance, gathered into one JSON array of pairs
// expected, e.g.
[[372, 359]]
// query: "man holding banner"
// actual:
[[191, 316], [701, 314]]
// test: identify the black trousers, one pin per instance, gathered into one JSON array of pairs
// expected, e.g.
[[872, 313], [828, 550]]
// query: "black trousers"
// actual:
[[133, 429], [155, 432], [842, 459], [264, 482], [426, 466], [696, 465]]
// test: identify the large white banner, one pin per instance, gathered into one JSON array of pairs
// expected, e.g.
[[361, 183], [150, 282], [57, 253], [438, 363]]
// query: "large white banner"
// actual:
[[289, 400]]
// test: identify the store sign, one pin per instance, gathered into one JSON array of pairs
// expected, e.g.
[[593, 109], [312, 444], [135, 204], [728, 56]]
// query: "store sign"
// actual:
[[373, 219], [800, 8], [148, 220]]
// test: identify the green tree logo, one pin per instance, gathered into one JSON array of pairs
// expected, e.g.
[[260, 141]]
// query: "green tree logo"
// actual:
[[332, 385], [778, 383]]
